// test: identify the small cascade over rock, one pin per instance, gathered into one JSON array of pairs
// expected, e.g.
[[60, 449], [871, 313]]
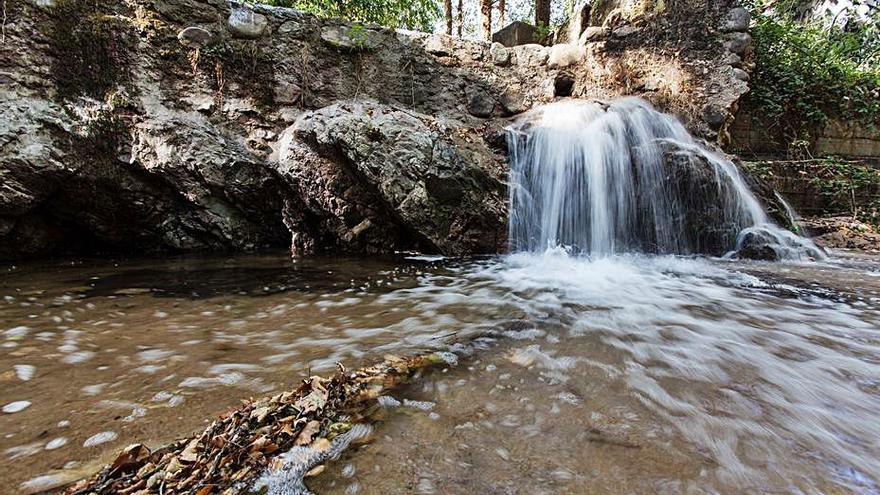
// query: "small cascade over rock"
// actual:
[[606, 178]]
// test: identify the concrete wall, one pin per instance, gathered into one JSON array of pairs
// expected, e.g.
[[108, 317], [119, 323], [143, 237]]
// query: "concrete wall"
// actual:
[[750, 134]]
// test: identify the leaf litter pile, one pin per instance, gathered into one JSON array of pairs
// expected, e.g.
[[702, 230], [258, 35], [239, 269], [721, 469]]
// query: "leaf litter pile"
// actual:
[[285, 435]]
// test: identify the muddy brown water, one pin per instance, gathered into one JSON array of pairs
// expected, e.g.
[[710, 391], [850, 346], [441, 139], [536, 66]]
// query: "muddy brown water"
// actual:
[[620, 375]]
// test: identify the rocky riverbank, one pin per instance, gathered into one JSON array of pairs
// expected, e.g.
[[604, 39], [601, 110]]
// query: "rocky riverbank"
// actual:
[[181, 125]]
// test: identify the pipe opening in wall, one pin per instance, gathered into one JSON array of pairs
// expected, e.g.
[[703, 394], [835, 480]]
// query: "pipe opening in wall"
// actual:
[[563, 85]]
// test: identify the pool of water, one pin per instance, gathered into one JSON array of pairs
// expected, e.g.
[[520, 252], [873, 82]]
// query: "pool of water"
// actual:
[[621, 375]]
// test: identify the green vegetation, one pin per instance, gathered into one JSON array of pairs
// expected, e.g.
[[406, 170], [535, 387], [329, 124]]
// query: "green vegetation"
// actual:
[[845, 185], [409, 14], [807, 73]]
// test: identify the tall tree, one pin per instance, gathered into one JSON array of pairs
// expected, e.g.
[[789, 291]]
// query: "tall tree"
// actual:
[[502, 7], [486, 19], [460, 17], [447, 14], [542, 13]]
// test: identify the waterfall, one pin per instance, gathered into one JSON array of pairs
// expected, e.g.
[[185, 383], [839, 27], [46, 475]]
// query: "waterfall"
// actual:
[[606, 178]]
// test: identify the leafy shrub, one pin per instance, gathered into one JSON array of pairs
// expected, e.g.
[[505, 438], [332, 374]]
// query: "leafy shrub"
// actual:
[[806, 74], [845, 186]]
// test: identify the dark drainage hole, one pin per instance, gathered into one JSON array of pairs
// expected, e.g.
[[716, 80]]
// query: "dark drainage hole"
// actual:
[[563, 86]]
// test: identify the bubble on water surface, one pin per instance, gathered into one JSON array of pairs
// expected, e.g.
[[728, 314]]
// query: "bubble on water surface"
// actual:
[[92, 390], [24, 372], [24, 450], [78, 357], [43, 482], [99, 438], [16, 333], [56, 443], [17, 406]]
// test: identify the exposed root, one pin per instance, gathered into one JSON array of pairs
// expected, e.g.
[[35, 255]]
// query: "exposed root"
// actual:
[[237, 448]]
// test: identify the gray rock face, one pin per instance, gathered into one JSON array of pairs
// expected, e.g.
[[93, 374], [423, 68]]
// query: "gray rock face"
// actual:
[[245, 23], [126, 142], [736, 20], [381, 175]]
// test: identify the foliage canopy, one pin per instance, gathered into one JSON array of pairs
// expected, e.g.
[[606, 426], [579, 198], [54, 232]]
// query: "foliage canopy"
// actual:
[[408, 14], [808, 72]]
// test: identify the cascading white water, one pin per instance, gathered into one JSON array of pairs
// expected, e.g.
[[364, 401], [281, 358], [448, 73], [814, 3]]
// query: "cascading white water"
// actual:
[[606, 178]]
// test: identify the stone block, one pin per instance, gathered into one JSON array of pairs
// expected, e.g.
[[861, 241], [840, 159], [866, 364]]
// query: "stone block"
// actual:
[[515, 33]]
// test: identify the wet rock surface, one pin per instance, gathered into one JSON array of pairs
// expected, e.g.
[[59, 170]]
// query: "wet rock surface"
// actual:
[[158, 126]]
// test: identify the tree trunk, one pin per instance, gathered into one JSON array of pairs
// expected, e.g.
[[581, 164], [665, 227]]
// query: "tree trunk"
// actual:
[[542, 13], [486, 19], [460, 17], [502, 7], [447, 12]]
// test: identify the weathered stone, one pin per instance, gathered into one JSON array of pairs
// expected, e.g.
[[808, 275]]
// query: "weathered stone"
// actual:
[[739, 43], [594, 33], [479, 102], [354, 38], [624, 31], [295, 28], [740, 74], [441, 194], [565, 55], [194, 36], [736, 20], [513, 101], [515, 33], [732, 59], [46, 4], [439, 44], [500, 54], [531, 55], [245, 23]]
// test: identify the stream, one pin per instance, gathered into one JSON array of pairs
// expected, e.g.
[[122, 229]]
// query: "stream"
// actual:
[[626, 374]]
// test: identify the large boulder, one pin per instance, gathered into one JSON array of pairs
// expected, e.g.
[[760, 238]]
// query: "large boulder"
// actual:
[[516, 33], [385, 177]]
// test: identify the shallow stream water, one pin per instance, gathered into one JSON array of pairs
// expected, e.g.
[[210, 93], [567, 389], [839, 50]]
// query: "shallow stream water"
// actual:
[[627, 374]]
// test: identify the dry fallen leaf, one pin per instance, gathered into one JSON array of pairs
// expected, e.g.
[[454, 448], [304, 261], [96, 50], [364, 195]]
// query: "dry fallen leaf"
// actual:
[[308, 432], [189, 454]]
